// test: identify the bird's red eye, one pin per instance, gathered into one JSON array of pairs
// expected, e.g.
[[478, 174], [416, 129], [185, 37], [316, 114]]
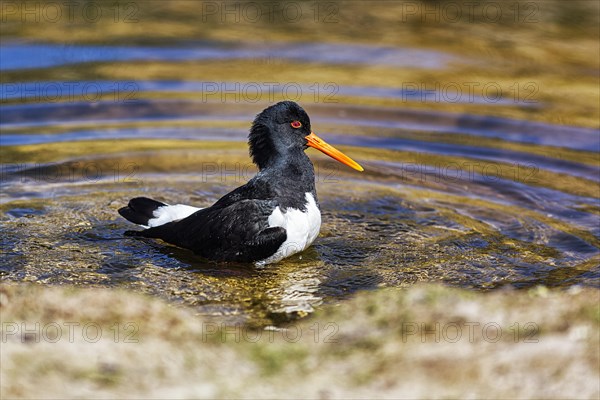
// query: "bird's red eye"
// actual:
[[296, 124]]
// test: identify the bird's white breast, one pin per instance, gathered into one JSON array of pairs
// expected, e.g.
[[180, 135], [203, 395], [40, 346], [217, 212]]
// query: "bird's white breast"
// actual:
[[302, 228]]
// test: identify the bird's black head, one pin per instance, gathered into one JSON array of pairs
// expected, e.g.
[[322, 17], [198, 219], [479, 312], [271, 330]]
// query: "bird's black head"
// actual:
[[282, 132], [278, 132]]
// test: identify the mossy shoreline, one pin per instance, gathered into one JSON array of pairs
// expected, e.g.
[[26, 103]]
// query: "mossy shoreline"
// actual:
[[421, 342]]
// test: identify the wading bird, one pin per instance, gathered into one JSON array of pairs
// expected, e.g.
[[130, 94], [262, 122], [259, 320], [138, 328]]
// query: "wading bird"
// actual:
[[274, 215]]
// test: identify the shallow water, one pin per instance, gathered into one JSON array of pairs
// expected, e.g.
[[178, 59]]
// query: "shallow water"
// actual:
[[469, 189]]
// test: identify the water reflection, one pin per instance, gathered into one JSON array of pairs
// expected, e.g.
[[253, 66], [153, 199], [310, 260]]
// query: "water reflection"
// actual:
[[22, 55]]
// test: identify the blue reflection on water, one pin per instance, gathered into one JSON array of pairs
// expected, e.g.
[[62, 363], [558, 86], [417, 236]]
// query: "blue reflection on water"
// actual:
[[17, 55]]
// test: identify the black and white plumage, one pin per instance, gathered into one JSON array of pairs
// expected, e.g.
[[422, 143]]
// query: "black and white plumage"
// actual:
[[274, 215]]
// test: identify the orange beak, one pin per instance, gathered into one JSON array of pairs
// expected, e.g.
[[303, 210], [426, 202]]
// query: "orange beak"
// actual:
[[321, 145]]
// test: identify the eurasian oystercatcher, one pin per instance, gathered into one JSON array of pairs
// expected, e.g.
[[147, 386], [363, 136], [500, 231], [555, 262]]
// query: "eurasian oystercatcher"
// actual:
[[274, 215]]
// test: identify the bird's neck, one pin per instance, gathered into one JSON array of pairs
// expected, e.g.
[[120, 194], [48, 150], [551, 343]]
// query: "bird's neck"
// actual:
[[293, 170]]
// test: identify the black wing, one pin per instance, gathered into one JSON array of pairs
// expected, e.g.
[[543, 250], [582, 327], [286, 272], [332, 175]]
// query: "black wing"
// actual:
[[255, 189]]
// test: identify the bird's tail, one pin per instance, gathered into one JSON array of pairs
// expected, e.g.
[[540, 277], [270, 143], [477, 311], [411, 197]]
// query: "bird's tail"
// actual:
[[141, 210], [151, 213]]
